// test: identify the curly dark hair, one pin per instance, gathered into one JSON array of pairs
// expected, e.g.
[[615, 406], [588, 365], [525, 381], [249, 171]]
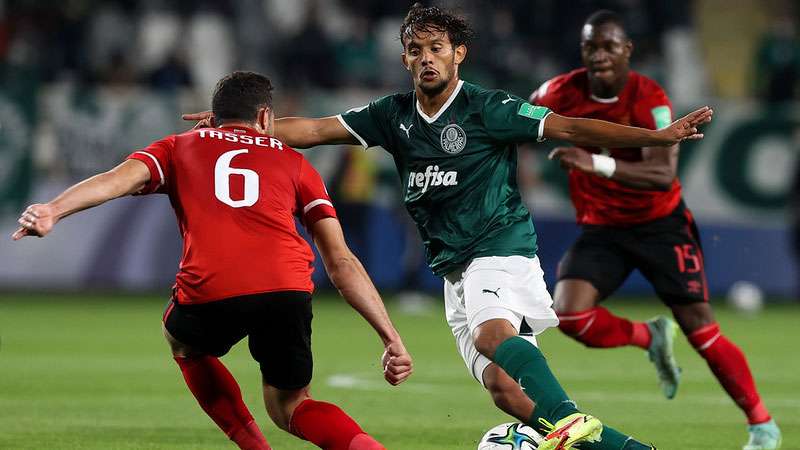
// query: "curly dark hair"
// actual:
[[428, 19]]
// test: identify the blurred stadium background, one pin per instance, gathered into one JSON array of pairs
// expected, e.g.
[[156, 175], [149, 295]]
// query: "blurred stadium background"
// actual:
[[83, 83], [86, 82]]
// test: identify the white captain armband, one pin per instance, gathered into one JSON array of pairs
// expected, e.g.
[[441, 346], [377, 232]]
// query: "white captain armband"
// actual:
[[604, 165]]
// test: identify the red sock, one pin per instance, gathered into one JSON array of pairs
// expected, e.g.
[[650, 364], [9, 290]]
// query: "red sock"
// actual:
[[329, 428], [218, 394], [729, 365], [597, 327]]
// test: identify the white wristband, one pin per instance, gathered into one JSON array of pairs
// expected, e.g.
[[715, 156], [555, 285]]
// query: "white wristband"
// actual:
[[604, 165]]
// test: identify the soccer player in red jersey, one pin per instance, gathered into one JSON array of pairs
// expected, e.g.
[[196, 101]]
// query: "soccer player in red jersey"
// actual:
[[629, 203], [245, 270]]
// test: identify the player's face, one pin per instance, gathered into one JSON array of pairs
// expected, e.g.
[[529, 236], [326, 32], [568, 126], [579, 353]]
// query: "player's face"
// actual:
[[606, 52], [432, 61]]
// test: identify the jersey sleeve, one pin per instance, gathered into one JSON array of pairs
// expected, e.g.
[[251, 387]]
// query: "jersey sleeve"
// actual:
[[654, 110], [508, 118], [543, 96], [313, 202], [368, 123], [157, 158]]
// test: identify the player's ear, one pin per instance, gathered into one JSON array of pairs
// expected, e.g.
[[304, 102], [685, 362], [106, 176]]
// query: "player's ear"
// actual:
[[628, 48], [265, 119], [405, 61], [461, 53]]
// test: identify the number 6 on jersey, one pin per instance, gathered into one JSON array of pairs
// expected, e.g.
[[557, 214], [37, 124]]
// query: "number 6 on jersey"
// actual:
[[222, 173]]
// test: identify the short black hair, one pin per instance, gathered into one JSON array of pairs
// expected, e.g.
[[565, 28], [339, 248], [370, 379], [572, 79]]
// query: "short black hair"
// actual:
[[240, 95], [605, 16], [428, 19]]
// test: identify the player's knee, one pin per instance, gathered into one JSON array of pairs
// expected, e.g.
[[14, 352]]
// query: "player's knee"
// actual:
[[489, 335], [179, 349], [575, 324], [694, 316], [281, 404]]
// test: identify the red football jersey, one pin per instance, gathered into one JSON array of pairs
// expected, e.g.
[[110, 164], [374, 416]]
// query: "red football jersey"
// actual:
[[642, 103], [236, 194]]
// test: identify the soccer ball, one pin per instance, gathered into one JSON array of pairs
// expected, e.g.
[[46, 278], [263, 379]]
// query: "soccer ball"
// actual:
[[746, 297], [510, 436]]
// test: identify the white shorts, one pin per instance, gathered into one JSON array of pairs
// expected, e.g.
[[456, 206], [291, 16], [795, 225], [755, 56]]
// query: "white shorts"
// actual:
[[496, 287]]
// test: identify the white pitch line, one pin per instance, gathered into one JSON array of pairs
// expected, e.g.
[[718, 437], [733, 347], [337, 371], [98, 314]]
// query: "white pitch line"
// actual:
[[363, 383]]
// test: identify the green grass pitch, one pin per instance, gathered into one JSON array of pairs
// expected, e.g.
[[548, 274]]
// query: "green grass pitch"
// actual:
[[94, 373]]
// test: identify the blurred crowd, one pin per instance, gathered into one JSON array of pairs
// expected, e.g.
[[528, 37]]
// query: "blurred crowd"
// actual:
[[301, 43]]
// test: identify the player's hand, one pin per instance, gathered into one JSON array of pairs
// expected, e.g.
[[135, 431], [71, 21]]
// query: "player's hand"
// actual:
[[36, 220], [396, 363], [573, 158], [204, 119], [686, 126]]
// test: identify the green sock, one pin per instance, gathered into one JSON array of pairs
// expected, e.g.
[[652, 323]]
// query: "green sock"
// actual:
[[526, 364], [612, 439]]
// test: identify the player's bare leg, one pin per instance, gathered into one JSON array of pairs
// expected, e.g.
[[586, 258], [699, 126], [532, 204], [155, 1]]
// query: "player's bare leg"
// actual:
[[218, 394], [507, 394], [729, 365], [323, 424], [594, 326], [573, 296]]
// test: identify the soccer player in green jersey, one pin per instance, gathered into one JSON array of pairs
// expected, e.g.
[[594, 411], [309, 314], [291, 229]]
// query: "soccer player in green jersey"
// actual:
[[454, 145]]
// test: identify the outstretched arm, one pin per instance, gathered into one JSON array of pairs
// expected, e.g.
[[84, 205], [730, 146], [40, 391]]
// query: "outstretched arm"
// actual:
[[297, 132], [656, 171], [599, 133], [127, 178], [349, 276], [300, 132]]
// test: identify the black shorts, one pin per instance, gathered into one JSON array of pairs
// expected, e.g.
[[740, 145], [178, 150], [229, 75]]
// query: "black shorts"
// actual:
[[666, 251], [278, 325]]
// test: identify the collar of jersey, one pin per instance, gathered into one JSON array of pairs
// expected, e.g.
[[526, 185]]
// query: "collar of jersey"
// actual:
[[443, 108], [613, 99], [239, 127]]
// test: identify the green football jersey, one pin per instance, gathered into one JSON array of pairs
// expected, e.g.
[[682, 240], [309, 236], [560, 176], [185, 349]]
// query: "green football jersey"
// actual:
[[458, 169]]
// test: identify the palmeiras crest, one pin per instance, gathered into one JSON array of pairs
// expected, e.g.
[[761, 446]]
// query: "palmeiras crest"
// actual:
[[453, 139]]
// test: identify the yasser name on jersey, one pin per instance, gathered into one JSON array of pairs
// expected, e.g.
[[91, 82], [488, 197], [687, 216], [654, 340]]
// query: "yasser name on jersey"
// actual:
[[260, 141], [432, 176]]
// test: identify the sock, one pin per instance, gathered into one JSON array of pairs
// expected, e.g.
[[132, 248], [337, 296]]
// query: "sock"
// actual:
[[729, 365], [328, 427], [612, 439], [218, 394], [525, 363], [597, 327]]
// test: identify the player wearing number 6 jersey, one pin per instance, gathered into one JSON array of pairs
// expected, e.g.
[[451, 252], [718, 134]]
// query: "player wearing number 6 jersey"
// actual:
[[245, 270], [629, 204]]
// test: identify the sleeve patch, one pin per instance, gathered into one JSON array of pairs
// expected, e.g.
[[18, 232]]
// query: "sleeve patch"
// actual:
[[532, 111], [662, 116]]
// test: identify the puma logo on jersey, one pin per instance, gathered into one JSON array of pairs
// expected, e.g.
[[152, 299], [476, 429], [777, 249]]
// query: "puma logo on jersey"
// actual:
[[494, 292], [432, 177], [407, 130], [509, 99]]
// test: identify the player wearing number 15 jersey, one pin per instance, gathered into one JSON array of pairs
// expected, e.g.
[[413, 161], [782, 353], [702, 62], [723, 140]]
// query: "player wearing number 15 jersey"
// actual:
[[628, 201], [245, 270]]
